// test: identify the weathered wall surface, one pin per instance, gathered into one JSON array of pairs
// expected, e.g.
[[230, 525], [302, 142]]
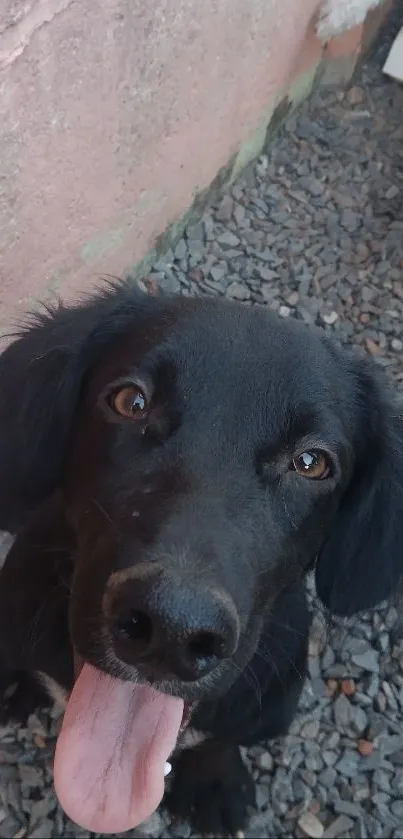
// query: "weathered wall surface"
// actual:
[[114, 115]]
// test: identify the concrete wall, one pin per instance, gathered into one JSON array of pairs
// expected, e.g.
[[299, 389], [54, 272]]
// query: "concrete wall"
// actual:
[[115, 114]]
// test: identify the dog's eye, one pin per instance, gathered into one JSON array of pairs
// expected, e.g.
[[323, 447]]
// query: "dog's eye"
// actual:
[[130, 402], [313, 464]]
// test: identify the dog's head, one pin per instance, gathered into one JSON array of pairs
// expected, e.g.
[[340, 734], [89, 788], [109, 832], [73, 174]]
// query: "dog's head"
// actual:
[[207, 454]]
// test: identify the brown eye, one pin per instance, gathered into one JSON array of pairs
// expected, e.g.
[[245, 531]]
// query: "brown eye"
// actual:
[[129, 402], [312, 464]]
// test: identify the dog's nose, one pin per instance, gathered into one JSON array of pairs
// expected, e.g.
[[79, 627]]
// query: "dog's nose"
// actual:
[[171, 630]]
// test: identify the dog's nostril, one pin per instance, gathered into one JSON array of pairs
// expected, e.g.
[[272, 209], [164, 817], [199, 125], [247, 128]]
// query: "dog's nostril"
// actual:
[[136, 626], [206, 645], [169, 631]]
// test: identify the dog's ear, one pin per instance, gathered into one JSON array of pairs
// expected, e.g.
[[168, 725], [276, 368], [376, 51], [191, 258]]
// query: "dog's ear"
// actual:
[[361, 563], [41, 373], [35, 583]]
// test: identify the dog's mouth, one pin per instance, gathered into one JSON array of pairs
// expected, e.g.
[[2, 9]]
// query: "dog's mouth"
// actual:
[[112, 752]]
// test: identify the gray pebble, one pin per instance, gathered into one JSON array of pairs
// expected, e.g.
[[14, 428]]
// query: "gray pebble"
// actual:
[[225, 209], [333, 740], [390, 696], [43, 831], [238, 291], [397, 809], [372, 686], [308, 776], [265, 761], [9, 826], [239, 214], [310, 730], [31, 776], [391, 745], [368, 660], [347, 808], [262, 795], [342, 712], [338, 827], [350, 221], [382, 780], [267, 275], [392, 192], [328, 777], [208, 227], [348, 764], [218, 272], [378, 725], [328, 659], [181, 250], [195, 232], [169, 283], [359, 719], [360, 789], [397, 783], [228, 240], [314, 762], [311, 826]]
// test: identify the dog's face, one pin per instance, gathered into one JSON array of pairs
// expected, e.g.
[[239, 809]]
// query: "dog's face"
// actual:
[[207, 453]]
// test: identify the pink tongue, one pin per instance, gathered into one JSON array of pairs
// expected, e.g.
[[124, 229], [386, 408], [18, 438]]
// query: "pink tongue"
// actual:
[[111, 752]]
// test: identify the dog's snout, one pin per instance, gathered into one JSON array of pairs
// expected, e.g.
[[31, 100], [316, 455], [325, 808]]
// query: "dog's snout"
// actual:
[[168, 629]]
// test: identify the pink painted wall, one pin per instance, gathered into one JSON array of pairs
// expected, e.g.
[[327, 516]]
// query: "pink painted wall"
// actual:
[[114, 114]]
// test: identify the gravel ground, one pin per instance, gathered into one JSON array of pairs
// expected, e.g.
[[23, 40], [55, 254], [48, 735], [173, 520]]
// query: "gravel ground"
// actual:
[[315, 231]]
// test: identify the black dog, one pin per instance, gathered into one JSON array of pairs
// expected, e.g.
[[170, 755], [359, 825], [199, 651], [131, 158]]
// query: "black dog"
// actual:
[[172, 469]]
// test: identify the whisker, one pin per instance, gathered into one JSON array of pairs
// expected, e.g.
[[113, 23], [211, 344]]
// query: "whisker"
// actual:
[[105, 514], [288, 514], [30, 636], [251, 679], [286, 626], [268, 658], [289, 658]]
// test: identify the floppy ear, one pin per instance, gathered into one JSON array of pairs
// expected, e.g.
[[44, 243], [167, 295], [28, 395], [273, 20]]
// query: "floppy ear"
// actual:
[[34, 622], [41, 374], [361, 563]]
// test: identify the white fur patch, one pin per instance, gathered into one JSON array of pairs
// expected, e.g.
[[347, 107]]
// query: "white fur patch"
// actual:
[[6, 541], [55, 691], [336, 16], [190, 738]]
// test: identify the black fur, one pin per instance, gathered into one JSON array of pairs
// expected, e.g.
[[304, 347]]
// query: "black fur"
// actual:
[[236, 393]]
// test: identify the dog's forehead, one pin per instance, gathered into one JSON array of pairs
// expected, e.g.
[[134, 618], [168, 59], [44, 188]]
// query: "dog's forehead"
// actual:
[[244, 368], [241, 343]]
